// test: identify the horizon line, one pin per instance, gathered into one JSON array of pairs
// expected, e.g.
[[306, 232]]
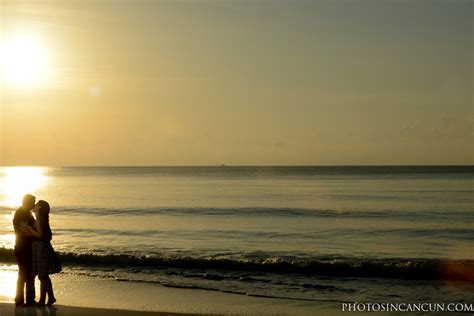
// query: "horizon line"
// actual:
[[229, 165]]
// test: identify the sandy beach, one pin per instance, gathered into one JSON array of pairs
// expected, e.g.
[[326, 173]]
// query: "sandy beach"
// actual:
[[9, 309], [87, 295]]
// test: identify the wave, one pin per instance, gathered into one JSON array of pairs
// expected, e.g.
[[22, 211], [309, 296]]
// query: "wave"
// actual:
[[398, 268], [260, 211], [212, 234]]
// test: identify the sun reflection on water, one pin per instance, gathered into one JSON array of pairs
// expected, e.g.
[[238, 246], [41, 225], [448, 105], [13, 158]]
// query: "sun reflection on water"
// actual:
[[17, 181], [8, 276]]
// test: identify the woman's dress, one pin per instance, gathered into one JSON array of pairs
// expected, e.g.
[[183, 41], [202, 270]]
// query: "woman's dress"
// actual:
[[45, 261]]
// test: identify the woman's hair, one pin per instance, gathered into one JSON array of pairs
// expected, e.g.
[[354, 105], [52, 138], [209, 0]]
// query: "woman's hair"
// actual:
[[44, 208], [44, 222]]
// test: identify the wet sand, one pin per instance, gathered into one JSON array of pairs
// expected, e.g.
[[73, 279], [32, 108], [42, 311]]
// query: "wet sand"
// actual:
[[88, 295], [60, 310]]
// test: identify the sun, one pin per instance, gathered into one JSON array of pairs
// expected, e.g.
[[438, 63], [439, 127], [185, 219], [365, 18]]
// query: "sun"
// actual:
[[23, 61]]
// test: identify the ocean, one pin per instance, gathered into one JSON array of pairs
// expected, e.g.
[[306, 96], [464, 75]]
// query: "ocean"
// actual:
[[322, 233]]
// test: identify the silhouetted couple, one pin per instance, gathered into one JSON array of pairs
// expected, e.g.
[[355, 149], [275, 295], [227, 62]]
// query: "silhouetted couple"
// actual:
[[34, 253]]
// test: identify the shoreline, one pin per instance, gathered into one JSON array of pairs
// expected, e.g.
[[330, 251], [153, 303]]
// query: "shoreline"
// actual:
[[83, 295], [7, 309]]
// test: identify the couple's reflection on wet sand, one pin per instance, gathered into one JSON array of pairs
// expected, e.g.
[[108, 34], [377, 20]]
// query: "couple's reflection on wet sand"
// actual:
[[36, 311]]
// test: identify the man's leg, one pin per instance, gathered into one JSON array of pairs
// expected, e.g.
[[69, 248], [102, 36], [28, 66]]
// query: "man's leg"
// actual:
[[30, 289], [30, 282], [20, 283], [20, 289]]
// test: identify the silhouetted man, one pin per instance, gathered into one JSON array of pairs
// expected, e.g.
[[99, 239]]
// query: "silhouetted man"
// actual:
[[23, 253]]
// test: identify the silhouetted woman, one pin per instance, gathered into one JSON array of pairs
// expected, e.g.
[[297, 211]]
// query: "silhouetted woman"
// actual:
[[45, 261]]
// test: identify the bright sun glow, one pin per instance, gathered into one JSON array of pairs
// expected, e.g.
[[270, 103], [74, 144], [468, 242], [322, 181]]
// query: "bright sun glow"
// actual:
[[23, 61], [17, 181]]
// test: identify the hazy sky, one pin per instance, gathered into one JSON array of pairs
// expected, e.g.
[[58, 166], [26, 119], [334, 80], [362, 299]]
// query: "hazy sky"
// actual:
[[243, 82]]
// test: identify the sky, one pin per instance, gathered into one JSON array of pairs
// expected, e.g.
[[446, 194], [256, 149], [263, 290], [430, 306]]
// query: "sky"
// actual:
[[241, 82]]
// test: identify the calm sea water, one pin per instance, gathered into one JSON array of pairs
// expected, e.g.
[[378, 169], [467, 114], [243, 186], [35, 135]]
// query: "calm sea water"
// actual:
[[302, 232]]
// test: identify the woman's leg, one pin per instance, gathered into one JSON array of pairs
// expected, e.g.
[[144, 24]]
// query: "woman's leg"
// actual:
[[49, 290], [43, 289]]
